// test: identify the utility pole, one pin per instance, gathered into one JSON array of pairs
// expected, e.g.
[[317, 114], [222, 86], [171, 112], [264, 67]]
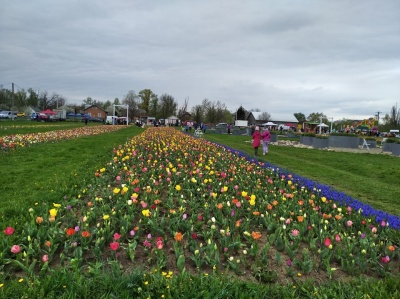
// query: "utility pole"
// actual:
[[377, 114], [12, 101]]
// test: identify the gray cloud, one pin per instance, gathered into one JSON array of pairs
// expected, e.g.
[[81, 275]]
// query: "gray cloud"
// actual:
[[336, 57]]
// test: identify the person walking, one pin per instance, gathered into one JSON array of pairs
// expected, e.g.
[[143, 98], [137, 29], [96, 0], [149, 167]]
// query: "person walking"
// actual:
[[265, 136], [256, 140]]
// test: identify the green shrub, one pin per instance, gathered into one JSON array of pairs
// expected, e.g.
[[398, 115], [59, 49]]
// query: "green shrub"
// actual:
[[369, 138], [309, 134], [392, 140]]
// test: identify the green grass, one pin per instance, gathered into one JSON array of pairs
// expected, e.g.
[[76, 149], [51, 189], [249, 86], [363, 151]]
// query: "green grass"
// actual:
[[47, 171], [373, 179], [115, 283]]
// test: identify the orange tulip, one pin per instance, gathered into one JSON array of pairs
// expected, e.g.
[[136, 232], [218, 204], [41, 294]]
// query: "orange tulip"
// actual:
[[178, 236], [256, 235], [85, 234]]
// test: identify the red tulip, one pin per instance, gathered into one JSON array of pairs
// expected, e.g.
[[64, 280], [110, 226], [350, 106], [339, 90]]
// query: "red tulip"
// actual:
[[327, 242], [9, 231], [114, 246]]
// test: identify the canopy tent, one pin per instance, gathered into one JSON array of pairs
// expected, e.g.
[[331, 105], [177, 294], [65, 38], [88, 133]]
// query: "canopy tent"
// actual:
[[322, 125], [48, 111], [71, 114], [268, 124]]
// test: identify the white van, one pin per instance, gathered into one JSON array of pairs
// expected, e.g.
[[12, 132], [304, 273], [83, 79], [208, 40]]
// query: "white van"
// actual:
[[8, 114], [112, 120]]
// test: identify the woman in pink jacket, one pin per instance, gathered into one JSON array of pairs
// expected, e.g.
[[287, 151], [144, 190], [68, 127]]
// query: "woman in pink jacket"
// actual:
[[256, 140], [266, 136]]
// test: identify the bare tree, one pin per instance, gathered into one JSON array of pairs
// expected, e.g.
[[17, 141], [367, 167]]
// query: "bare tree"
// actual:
[[264, 116], [132, 100], [198, 113], [183, 109], [168, 105], [50, 101], [393, 118]]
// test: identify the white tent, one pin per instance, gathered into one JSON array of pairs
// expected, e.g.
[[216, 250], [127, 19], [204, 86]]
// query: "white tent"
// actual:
[[322, 125], [268, 124]]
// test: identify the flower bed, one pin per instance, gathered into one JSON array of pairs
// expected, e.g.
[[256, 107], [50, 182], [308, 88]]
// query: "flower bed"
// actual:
[[11, 142], [171, 201]]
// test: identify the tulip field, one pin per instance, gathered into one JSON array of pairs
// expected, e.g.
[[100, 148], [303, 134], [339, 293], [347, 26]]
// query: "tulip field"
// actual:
[[179, 209]]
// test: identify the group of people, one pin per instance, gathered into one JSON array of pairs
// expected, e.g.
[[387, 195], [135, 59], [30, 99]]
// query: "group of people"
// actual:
[[202, 127], [261, 138]]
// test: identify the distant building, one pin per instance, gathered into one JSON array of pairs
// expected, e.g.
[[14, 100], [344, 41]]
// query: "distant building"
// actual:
[[95, 111]]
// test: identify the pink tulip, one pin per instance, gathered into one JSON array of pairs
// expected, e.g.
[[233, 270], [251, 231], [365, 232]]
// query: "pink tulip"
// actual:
[[295, 232], [337, 238], [45, 258], [116, 236], [349, 223], [16, 249], [147, 244], [159, 243]]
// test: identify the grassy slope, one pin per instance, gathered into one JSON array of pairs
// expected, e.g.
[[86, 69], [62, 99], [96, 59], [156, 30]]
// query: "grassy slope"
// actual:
[[373, 179]]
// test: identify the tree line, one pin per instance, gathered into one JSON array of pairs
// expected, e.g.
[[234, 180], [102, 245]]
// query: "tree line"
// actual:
[[146, 102]]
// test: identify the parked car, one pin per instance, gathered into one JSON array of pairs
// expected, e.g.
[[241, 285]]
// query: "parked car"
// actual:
[[4, 114], [34, 116], [93, 119], [8, 114], [39, 116], [21, 114]]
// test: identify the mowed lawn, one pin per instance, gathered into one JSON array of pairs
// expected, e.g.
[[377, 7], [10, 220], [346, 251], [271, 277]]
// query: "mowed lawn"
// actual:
[[48, 171]]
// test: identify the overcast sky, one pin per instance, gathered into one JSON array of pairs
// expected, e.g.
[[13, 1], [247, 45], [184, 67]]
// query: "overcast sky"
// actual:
[[338, 57]]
